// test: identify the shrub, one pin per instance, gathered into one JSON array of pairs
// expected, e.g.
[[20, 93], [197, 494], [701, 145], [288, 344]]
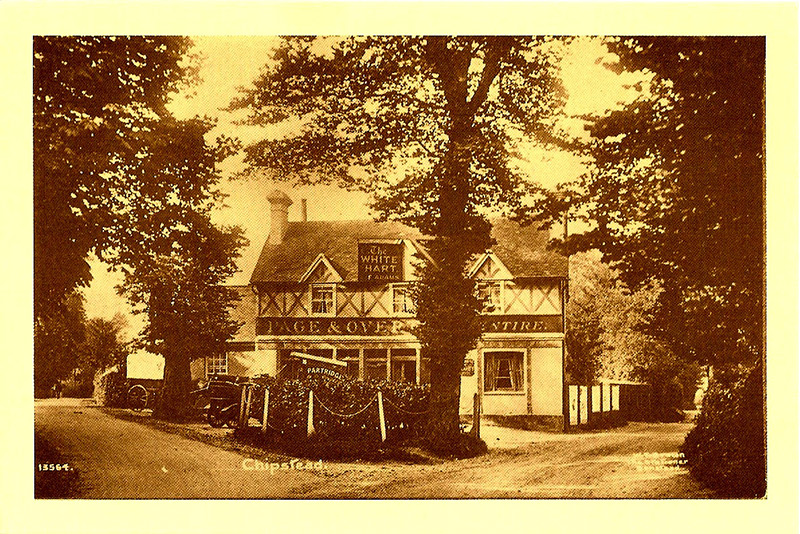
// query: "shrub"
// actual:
[[111, 389], [78, 387], [726, 449], [343, 410], [346, 421]]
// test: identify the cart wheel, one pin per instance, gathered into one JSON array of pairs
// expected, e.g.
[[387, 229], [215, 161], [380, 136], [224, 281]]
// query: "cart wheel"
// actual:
[[233, 416], [137, 397], [214, 420], [214, 416]]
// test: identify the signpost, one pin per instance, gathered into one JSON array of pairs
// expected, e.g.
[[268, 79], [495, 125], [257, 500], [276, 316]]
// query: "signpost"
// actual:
[[318, 365]]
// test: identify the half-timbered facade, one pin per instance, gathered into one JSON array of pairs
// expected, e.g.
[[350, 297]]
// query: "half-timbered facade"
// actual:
[[340, 290]]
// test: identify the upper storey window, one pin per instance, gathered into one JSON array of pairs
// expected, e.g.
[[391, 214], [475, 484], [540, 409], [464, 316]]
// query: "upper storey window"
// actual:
[[323, 299], [490, 294], [402, 302]]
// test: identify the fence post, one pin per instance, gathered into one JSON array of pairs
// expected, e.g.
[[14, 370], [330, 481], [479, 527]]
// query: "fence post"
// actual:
[[476, 416], [381, 418], [248, 405], [610, 397], [589, 416], [266, 411], [310, 425], [242, 402], [578, 423], [601, 417]]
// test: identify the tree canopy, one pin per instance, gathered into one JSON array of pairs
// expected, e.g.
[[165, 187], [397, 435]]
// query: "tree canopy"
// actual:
[[95, 103], [675, 193], [115, 174], [430, 126]]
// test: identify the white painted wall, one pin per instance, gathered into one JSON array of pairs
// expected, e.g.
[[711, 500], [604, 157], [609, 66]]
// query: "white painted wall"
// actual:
[[469, 386], [546, 380]]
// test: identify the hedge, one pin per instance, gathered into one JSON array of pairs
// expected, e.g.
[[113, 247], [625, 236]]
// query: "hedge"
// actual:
[[726, 449], [343, 409], [111, 389]]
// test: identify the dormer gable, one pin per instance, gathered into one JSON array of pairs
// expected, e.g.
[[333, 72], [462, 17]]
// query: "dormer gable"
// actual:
[[321, 271], [489, 267]]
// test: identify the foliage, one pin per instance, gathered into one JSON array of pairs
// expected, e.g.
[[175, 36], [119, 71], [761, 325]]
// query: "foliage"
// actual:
[[342, 436], [726, 450], [188, 309], [676, 191], [607, 337], [117, 175], [77, 385], [428, 125], [95, 103], [57, 342], [111, 388], [104, 346], [288, 407]]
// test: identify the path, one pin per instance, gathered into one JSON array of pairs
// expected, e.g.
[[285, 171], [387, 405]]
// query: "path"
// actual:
[[123, 459]]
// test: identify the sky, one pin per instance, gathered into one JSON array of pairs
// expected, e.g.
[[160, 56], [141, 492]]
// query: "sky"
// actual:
[[232, 62]]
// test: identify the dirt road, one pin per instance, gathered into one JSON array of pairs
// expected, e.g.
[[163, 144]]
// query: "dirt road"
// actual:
[[121, 459]]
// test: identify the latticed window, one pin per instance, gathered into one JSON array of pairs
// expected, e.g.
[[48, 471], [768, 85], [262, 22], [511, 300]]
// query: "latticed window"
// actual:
[[503, 371], [402, 303], [217, 364], [490, 295], [323, 300]]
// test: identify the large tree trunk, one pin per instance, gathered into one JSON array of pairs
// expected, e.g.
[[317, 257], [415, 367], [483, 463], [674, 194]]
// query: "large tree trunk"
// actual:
[[173, 402], [448, 307]]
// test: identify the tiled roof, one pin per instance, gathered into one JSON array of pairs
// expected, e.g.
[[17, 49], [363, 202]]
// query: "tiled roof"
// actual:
[[522, 249]]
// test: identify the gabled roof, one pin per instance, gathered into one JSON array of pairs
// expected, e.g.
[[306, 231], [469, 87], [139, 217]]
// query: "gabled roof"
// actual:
[[492, 263], [523, 250], [323, 265], [337, 240]]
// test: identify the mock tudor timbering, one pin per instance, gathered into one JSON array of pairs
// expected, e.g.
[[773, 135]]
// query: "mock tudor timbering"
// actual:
[[340, 289]]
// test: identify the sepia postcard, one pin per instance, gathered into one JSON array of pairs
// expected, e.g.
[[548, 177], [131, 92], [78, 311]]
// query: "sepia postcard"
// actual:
[[313, 265]]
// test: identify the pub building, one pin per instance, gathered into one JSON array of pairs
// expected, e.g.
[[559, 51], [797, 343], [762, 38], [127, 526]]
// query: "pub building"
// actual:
[[340, 290]]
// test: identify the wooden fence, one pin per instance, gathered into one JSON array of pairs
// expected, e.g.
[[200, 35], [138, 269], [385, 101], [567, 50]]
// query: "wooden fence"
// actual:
[[608, 404]]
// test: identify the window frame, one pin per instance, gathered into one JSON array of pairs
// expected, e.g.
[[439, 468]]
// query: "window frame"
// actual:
[[323, 286], [501, 285], [411, 310], [213, 361], [492, 354]]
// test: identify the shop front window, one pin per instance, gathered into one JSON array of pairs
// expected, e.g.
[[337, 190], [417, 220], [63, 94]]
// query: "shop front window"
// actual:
[[375, 364], [503, 371], [323, 299], [404, 371], [350, 357], [404, 365]]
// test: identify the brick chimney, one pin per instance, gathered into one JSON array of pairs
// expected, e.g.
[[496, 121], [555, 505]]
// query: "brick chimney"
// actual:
[[279, 203]]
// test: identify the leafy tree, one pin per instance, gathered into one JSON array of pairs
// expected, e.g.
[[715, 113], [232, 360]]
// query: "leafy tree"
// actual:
[[676, 191], [677, 195], [430, 126], [117, 175], [96, 101], [607, 336], [57, 343], [174, 258], [104, 345]]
